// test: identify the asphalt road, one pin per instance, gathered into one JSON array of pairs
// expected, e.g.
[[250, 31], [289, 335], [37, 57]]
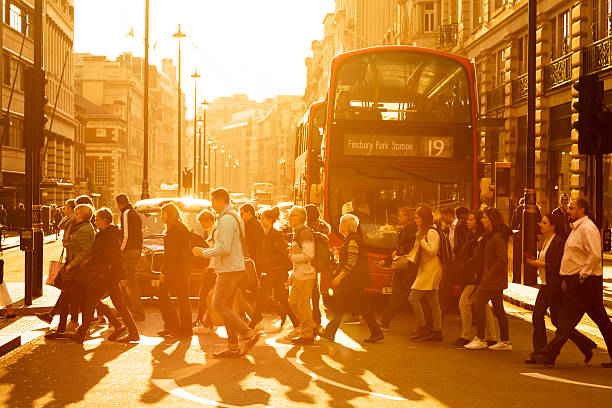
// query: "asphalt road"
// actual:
[[395, 373]]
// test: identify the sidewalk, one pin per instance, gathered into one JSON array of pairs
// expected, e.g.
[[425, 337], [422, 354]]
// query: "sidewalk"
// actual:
[[12, 240]]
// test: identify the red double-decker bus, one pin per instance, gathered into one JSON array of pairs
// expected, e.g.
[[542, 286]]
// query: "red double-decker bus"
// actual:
[[309, 136], [400, 130]]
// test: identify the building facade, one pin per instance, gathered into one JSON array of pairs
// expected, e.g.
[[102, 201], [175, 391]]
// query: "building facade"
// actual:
[[112, 95], [573, 38], [62, 162]]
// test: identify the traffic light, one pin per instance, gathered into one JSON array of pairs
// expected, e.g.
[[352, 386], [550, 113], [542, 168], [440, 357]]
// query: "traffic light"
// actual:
[[187, 178], [589, 108]]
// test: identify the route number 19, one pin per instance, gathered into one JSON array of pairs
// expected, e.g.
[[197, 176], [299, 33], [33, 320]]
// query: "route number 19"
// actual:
[[436, 147]]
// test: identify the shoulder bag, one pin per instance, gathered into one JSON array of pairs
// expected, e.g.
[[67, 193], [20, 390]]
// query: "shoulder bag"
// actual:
[[251, 279], [56, 269]]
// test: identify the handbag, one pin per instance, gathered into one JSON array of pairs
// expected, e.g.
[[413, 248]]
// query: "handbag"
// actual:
[[251, 279], [409, 260], [55, 268]]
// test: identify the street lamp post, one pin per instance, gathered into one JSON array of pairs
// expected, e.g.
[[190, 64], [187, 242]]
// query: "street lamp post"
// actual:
[[228, 164], [179, 35], [283, 164], [145, 166], [222, 172], [203, 142], [196, 171]]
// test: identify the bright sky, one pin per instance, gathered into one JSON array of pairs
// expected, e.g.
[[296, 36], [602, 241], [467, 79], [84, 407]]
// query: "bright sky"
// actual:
[[255, 47]]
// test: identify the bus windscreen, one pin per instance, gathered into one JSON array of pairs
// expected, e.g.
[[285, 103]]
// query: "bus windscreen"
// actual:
[[404, 86]]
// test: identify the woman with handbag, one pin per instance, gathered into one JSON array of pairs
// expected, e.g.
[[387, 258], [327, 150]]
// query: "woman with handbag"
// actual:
[[78, 251], [494, 281], [470, 266], [103, 275], [428, 276], [550, 295], [353, 274], [401, 281], [175, 275], [273, 264]]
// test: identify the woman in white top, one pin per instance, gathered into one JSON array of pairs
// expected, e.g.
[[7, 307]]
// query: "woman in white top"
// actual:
[[428, 276], [550, 294]]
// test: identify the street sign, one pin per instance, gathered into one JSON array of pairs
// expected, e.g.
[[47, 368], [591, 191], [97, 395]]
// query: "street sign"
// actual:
[[26, 239]]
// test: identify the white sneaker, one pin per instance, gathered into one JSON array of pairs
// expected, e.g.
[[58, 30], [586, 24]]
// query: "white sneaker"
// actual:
[[476, 344], [501, 346], [293, 334]]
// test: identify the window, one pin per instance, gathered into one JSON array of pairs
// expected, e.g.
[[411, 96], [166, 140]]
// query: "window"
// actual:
[[499, 76], [521, 55], [601, 25], [9, 67], [476, 13], [428, 22], [101, 173], [560, 35], [14, 133], [15, 15], [495, 5]]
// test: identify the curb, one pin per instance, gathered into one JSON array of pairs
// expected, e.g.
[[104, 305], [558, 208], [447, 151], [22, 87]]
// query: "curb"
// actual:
[[520, 303], [9, 343]]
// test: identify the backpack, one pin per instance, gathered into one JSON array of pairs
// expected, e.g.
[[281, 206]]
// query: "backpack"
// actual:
[[321, 249], [445, 251]]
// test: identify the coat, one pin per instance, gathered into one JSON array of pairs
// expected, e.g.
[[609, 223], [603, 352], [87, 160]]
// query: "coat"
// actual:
[[552, 259], [106, 260], [495, 275], [177, 252], [80, 244], [273, 254], [253, 235], [359, 273], [429, 273]]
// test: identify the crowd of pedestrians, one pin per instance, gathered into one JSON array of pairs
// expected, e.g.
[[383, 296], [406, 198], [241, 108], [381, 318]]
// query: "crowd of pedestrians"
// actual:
[[465, 251]]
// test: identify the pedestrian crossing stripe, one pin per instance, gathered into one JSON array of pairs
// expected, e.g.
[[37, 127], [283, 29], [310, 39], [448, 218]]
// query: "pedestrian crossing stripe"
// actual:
[[565, 381]]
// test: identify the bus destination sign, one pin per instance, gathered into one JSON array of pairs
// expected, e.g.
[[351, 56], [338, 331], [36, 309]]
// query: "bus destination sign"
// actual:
[[358, 144]]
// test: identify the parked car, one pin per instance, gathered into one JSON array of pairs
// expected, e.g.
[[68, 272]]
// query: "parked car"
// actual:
[[152, 258]]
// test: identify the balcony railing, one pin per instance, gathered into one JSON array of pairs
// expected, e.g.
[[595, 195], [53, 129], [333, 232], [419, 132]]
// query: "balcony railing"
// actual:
[[519, 88], [598, 56], [558, 72], [448, 35], [495, 98]]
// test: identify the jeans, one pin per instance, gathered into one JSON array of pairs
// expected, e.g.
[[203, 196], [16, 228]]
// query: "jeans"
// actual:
[[92, 302], [299, 299], [131, 289], [399, 291], [226, 288], [552, 297], [468, 297], [497, 299], [580, 299], [208, 283], [179, 287], [351, 298], [432, 298], [274, 282]]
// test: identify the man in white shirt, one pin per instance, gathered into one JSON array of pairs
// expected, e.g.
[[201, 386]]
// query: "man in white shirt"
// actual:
[[582, 274]]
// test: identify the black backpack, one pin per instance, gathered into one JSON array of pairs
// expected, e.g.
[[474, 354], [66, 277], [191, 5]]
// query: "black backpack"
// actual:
[[322, 255], [445, 251]]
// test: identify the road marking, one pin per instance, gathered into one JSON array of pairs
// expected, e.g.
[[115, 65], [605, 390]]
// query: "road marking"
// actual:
[[300, 366], [171, 387], [565, 381]]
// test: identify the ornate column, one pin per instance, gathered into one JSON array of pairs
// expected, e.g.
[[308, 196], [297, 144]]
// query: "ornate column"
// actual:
[[542, 115]]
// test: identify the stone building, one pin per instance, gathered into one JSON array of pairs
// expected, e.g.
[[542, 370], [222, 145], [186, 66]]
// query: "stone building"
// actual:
[[573, 38], [62, 163], [111, 94]]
